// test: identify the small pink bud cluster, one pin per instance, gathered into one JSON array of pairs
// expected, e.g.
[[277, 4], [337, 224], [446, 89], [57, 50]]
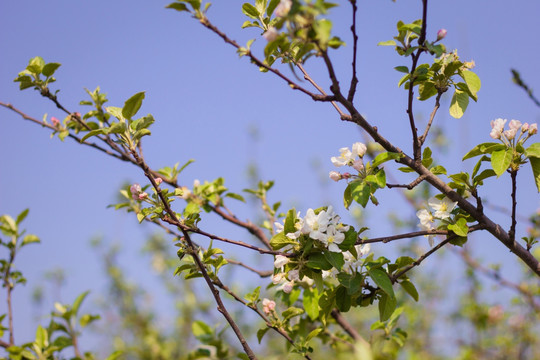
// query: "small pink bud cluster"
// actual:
[[515, 128], [158, 181], [268, 306], [350, 158], [441, 34], [55, 122], [137, 193]]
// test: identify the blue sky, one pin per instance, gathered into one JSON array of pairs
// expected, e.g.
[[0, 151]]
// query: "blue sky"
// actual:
[[206, 100]]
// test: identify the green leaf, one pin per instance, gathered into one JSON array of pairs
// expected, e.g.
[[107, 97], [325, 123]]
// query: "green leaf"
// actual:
[[459, 103], [77, 303], [115, 355], [177, 6], [460, 227], [335, 258], [49, 69], [343, 301], [292, 312], [87, 319], [387, 43], [483, 175], [317, 261], [384, 157], [29, 239], [500, 160], [250, 11], [403, 79], [117, 128], [533, 151], [22, 216], [35, 65], [472, 80], [235, 196], [42, 338], [484, 148], [402, 69], [438, 170], [201, 329], [410, 289], [139, 134], [280, 240], [382, 280], [387, 305], [426, 90], [115, 111], [311, 303], [132, 105], [535, 165], [313, 333], [93, 133], [360, 192], [261, 332]]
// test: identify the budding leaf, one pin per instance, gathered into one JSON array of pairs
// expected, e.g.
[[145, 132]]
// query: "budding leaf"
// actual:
[[535, 165], [460, 101], [132, 105], [500, 160]]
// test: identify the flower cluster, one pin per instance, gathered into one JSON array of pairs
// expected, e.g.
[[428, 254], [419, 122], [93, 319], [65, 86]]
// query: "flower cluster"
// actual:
[[268, 305], [351, 263], [137, 193], [516, 130], [441, 210], [353, 158]]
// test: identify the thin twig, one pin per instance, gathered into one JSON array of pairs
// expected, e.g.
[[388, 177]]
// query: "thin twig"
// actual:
[[206, 23], [422, 138], [418, 261], [410, 186], [310, 79], [354, 79], [512, 231]]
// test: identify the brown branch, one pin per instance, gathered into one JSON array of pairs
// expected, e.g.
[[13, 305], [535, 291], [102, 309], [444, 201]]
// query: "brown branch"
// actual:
[[310, 79], [418, 261], [248, 225], [410, 186], [122, 157], [387, 239], [206, 23], [354, 79], [193, 253], [280, 331], [512, 231], [261, 273], [348, 327], [422, 138]]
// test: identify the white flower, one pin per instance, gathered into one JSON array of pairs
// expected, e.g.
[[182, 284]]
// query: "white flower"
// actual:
[[287, 287], [271, 34], [280, 261], [426, 220], [442, 207], [294, 275], [345, 157], [362, 250], [510, 134], [316, 224], [283, 8], [514, 125], [359, 149], [333, 238], [497, 126], [278, 278]]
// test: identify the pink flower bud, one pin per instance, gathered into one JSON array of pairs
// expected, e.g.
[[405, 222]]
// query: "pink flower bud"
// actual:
[[533, 129], [334, 175], [268, 305], [135, 191], [143, 196], [525, 127], [346, 175], [514, 125], [55, 121], [358, 165], [510, 134], [441, 34], [287, 288], [271, 34], [158, 181]]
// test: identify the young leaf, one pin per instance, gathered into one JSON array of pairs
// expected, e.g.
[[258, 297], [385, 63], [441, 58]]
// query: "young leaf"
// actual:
[[500, 161], [533, 150], [410, 289], [382, 280], [535, 165], [460, 101], [387, 305], [250, 11], [132, 105], [472, 80]]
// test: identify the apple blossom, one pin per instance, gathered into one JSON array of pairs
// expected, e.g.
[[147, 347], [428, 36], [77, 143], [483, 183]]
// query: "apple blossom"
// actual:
[[514, 125], [280, 261], [287, 287], [271, 34], [533, 129], [497, 126], [158, 180], [333, 238], [135, 191], [525, 127], [359, 149], [358, 165], [345, 157], [442, 207], [268, 305], [317, 223], [334, 175], [55, 121], [283, 8]]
